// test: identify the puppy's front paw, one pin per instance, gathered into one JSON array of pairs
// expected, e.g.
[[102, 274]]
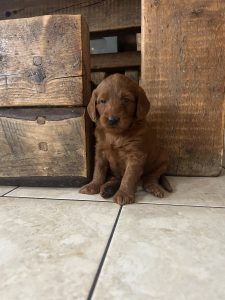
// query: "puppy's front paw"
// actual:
[[123, 198], [90, 189]]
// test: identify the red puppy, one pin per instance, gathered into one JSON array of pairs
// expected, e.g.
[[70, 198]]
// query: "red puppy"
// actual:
[[127, 150]]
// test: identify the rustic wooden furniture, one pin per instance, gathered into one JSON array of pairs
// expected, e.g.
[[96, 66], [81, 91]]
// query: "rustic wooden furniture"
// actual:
[[183, 75], [182, 67], [44, 88], [104, 17]]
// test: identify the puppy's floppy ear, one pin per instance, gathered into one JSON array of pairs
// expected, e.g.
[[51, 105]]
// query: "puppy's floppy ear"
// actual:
[[91, 108], [143, 105]]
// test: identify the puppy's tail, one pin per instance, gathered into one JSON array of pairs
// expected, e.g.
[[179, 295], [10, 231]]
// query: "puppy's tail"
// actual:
[[165, 183]]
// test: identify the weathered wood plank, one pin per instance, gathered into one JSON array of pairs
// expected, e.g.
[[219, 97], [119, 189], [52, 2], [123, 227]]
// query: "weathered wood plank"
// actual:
[[101, 15], [183, 74], [115, 61], [44, 61], [45, 144], [138, 41]]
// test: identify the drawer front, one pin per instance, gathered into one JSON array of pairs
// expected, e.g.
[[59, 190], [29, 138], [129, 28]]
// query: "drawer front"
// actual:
[[44, 61], [44, 146]]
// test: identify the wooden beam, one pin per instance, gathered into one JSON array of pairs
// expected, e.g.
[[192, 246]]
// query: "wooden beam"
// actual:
[[183, 66], [115, 61], [49, 144], [101, 15], [44, 61]]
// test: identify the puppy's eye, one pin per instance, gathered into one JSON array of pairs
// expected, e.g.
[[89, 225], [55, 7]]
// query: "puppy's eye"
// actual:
[[126, 100], [102, 101]]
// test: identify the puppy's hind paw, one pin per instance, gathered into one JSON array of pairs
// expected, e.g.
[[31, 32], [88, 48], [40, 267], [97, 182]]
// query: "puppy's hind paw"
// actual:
[[109, 189], [90, 189], [154, 189]]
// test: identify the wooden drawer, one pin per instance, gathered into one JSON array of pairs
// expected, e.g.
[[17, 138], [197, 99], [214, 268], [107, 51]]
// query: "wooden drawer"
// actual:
[[44, 146], [44, 61]]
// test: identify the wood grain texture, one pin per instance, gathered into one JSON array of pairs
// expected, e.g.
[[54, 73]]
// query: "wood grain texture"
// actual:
[[101, 15], [115, 61], [44, 61], [138, 41], [44, 144], [183, 74]]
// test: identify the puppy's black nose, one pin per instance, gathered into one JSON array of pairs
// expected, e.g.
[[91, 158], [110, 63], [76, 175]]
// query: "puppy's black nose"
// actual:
[[113, 120]]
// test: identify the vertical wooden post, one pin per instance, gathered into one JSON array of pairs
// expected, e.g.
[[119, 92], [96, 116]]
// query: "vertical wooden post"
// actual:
[[183, 74]]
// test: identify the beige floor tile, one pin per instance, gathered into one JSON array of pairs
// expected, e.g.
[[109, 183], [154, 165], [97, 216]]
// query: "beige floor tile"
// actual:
[[193, 191], [54, 193], [165, 253], [51, 249], [6, 189]]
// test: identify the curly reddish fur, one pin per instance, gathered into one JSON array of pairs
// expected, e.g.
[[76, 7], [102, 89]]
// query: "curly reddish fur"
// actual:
[[127, 151]]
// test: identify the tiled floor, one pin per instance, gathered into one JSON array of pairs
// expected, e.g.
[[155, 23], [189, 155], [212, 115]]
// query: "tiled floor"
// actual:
[[58, 244]]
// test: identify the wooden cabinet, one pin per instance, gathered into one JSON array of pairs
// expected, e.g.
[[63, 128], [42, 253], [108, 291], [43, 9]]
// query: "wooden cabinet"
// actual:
[[44, 87]]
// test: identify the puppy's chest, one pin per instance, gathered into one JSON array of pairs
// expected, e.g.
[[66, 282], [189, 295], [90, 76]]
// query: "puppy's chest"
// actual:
[[117, 162], [116, 155]]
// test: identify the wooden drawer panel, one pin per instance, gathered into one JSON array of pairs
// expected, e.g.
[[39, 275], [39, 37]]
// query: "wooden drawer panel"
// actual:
[[44, 146], [44, 61]]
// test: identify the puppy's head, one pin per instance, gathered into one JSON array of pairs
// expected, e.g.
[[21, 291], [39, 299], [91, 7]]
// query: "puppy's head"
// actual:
[[117, 102]]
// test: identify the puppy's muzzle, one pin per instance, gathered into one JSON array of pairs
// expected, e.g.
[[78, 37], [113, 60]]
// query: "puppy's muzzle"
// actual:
[[113, 120]]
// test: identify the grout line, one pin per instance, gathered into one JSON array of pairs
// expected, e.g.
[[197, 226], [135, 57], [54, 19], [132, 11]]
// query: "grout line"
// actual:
[[105, 201], [90, 294], [13, 189], [180, 205], [64, 199]]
